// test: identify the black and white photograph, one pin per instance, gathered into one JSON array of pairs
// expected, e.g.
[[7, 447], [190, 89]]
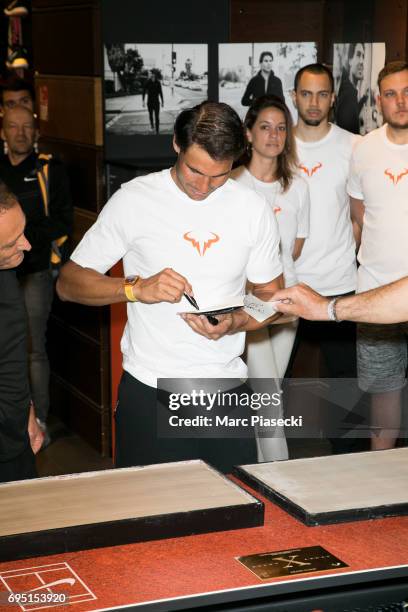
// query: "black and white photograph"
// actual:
[[250, 70], [355, 69], [147, 85]]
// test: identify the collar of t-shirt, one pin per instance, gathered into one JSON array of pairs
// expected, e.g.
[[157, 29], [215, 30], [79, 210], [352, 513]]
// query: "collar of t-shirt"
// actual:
[[257, 184], [388, 142], [317, 143], [212, 197]]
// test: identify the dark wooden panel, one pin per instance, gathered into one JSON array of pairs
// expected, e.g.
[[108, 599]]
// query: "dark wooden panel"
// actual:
[[67, 41], [85, 168], [161, 21], [81, 415], [358, 21], [74, 108], [62, 4], [83, 220], [77, 359], [91, 321], [333, 29], [390, 25], [277, 21]]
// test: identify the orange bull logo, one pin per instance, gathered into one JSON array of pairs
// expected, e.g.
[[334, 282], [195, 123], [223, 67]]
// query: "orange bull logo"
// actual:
[[201, 241], [395, 178], [310, 171]]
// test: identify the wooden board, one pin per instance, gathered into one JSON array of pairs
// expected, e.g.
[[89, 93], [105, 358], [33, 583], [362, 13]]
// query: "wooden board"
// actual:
[[337, 488], [74, 108], [80, 511], [85, 167], [72, 44]]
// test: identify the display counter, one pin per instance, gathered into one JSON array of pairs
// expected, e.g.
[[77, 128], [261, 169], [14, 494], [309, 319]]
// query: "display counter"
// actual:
[[202, 571]]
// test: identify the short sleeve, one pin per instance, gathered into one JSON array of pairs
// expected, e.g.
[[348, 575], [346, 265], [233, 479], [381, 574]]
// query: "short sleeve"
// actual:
[[303, 217], [354, 187], [264, 262], [106, 242]]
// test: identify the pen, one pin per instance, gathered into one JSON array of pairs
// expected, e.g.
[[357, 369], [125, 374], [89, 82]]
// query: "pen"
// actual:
[[211, 319], [192, 301]]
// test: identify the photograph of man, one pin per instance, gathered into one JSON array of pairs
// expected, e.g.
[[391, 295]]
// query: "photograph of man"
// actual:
[[169, 77], [153, 90], [264, 82], [358, 65], [20, 435], [250, 70], [378, 186], [188, 230]]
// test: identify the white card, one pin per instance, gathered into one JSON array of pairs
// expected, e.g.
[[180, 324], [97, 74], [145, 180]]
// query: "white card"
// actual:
[[258, 309]]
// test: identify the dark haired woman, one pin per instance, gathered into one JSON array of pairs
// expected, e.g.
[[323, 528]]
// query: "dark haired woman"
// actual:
[[270, 169]]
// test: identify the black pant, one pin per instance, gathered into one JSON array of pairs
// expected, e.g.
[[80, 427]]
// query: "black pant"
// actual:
[[21, 467], [154, 110], [138, 442], [337, 343]]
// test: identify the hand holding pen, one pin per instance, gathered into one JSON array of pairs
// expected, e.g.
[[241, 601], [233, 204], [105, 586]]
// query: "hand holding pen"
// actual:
[[165, 286]]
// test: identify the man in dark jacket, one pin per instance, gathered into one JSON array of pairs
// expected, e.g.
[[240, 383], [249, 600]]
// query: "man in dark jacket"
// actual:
[[349, 104], [46, 222], [20, 436], [265, 82]]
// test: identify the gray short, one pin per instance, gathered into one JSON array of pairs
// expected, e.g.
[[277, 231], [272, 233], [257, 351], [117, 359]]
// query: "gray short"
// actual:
[[381, 357]]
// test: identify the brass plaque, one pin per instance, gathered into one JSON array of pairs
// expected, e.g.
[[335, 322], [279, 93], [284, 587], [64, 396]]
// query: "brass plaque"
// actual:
[[290, 562]]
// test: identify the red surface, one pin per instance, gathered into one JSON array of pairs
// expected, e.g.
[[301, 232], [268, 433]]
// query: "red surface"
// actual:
[[199, 564]]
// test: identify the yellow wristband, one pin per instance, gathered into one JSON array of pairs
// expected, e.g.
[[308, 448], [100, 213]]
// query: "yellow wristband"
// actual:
[[130, 282]]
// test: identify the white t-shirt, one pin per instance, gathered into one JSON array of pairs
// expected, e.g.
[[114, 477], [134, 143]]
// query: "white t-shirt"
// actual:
[[216, 244], [327, 262], [379, 176], [292, 210]]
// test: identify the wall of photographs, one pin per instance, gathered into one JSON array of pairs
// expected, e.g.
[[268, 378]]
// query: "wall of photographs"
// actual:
[[149, 78], [166, 50]]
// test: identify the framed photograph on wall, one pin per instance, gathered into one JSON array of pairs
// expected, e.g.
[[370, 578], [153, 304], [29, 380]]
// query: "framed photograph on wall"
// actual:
[[249, 70], [147, 85], [355, 69]]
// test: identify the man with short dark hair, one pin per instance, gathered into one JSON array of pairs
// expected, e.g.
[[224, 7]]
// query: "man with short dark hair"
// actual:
[[184, 230], [264, 82], [20, 436], [327, 262], [378, 187], [16, 92]]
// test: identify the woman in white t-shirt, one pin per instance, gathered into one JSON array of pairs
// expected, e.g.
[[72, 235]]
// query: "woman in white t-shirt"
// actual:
[[271, 170]]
